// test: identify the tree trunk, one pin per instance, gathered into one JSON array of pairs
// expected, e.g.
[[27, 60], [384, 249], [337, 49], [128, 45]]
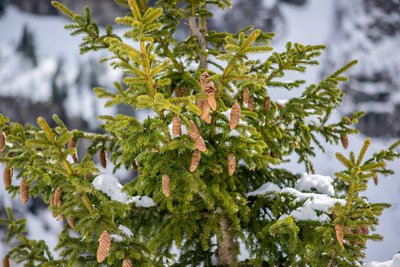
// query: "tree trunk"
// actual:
[[226, 256]]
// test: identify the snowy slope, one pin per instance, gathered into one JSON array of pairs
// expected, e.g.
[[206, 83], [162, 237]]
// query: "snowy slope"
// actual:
[[310, 25]]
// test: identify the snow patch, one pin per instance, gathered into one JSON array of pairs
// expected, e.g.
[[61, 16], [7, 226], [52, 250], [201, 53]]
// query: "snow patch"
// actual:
[[395, 262], [323, 184]]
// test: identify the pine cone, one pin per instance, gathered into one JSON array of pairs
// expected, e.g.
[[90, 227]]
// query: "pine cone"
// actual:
[[2, 141], [231, 162], [345, 140], [194, 134], [7, 175], [246, 96], [127, 262], [207, 86], [200, 104], [6, 262], [176, 126], [72, 144], [376, 179], [194, 162], [104, 246], [71, 222], [250, 105], [103, 159], [134, 165], [267, 103], [205, 113], [165, 185], [339, 233], [211, 101], [57, 196], [235, 116], [24, 191]]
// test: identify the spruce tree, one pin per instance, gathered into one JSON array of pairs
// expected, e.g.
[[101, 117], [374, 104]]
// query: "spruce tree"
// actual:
[[26, 45], [209, 159]]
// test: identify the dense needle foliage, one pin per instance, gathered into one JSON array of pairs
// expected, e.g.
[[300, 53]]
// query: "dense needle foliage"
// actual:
[[236, 137]]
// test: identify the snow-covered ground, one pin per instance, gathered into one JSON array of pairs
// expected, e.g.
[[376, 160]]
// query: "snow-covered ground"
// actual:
[[309, 25]]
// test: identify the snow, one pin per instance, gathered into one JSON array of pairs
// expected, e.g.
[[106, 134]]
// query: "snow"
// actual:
[[323, 184], [313, 202], [110, 185], [395, 262]]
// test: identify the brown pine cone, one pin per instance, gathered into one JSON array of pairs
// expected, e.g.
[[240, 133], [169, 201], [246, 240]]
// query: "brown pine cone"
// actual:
[[376, 180], [2, 141], [104, 246], [345, 140], [72, 144], [57, 196], [339, 233], [194, 162], [207, 86], [250, 105], [200, 104], [205, 112], [165, 185], [211, 101], [127, 262], [7, 175], [231, 162], [246, 96], [235, 116], [6, 262], [267, 103], [103, 159], [24, 191], [71, 222], [194, 134], [176, 126]]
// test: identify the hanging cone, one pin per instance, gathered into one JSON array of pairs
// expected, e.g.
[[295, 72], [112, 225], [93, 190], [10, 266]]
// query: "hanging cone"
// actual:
[[267, 103], [194, 162], [231, 162], [7, 175], [127, 262], [207, 86], [246, 96], [250, 105], [71, 222], [339, 233], [134, 165], [88, 176], [165, 185], [205, 113], [104, 246], [200, 104], [6, 262], [345, 140], [72, 144], [176, 126], [211, 101], [103, 159], [376, 179], [194, 134], [57, 196], [2, 141], [24, 191], [235, 116]]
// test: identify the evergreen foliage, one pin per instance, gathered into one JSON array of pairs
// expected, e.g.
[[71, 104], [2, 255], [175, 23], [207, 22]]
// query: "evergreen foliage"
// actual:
[[200, 182]]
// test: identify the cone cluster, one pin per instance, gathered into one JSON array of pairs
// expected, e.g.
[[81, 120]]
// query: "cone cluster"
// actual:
[[231, 163], [194, 134], [194, 162], [176, 126], [165, 185], [210, 103], [7, 175], [103, 159], [235, 116], [104, 246], [24, 191]]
